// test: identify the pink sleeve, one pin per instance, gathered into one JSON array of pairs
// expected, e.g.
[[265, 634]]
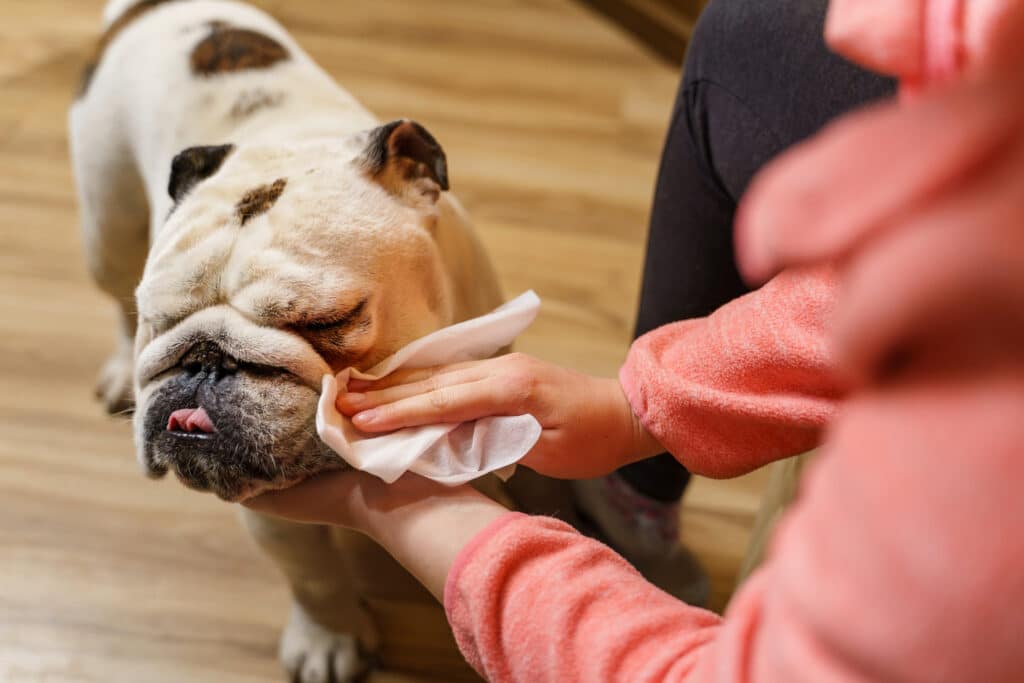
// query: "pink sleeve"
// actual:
[[530, 599], [751, 383], [890, 567]]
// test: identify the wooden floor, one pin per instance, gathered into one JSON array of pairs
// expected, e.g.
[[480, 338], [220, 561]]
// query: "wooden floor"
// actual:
[[552, 121]]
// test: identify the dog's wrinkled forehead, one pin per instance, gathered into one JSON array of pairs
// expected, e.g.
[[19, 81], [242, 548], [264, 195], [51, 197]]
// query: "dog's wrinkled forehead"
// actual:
[[271, 228]]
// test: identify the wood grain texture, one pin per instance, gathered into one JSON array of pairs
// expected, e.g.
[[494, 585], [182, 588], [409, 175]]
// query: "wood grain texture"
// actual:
[[663, 26], [552, 121]]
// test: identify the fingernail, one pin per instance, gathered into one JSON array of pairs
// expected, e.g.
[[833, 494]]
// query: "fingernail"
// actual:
[[366, 417]]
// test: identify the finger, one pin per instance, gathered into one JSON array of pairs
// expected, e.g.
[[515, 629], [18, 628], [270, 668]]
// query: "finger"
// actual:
[[354, 402], [994, 35], [949, 279], [319, 499], [882, 35], [408, 376], [447, 405], [819, 200]]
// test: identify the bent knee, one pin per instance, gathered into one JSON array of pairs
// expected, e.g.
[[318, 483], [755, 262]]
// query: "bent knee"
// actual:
[[749, 42]]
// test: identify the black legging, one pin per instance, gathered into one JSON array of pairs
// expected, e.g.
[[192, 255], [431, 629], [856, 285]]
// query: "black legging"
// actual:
[[758, 79]]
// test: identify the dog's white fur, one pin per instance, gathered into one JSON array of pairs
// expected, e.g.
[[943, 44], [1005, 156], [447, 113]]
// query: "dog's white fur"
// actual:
[[336, 236]]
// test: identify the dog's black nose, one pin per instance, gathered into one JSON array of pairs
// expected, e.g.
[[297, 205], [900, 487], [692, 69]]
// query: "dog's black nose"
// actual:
[[208, 358]]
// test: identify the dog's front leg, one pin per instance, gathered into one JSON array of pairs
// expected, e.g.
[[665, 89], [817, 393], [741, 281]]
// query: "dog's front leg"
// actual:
[[114, 215], [328, 634]]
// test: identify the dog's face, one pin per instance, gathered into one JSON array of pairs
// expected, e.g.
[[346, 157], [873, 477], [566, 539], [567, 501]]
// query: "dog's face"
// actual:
[[276, 266]]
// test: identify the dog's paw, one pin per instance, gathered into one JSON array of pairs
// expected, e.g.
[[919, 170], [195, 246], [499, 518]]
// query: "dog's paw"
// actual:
[[114, 386], [312, 654]]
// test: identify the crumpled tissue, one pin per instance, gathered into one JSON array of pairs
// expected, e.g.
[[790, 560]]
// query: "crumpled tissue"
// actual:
[[448, 453]]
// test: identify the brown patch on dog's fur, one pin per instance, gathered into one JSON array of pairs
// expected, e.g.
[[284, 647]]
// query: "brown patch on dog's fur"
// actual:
[[249, 102], [259, 200], [119, 24], [229, 49]]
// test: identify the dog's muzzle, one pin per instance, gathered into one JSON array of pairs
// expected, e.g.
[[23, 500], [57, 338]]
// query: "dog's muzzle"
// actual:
[[229, 427]]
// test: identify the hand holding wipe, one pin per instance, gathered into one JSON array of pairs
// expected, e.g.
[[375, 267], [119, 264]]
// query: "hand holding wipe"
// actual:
[[451, 454]]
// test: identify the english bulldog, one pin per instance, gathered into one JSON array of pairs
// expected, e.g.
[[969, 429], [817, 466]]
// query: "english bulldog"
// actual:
[[258, 229]]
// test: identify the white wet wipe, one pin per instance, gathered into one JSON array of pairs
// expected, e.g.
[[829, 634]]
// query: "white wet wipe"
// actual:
[[448, 453]]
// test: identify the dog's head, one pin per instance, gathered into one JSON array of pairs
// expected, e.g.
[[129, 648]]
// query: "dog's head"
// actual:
[[276, 266]]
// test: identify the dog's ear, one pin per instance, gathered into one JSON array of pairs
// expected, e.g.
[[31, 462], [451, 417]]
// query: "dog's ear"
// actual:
[[194, 165], [407, 160]]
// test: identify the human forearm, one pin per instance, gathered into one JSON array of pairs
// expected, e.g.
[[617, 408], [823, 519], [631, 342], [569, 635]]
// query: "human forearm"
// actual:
[[421, 523], [426, 535], [534, 600], [753, 382]]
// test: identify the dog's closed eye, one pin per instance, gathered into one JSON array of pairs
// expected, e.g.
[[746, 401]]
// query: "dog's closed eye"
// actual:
[[336, 323]]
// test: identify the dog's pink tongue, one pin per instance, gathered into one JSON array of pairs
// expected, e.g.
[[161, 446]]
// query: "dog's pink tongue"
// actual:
[[190, 420]]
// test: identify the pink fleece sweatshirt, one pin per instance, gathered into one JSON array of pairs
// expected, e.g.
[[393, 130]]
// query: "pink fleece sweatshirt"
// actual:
[[901, 561]]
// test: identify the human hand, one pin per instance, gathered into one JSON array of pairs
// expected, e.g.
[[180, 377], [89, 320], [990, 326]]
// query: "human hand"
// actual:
[[588, 426], [921, 207], [347, 498], [919, 41], [422, 524]]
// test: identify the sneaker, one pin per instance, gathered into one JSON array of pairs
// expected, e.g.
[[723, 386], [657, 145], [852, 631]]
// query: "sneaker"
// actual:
[[644, 531]]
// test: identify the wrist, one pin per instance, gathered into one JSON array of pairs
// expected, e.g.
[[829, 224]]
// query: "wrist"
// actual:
[[389, 513], [426, 532], [641, 444]]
